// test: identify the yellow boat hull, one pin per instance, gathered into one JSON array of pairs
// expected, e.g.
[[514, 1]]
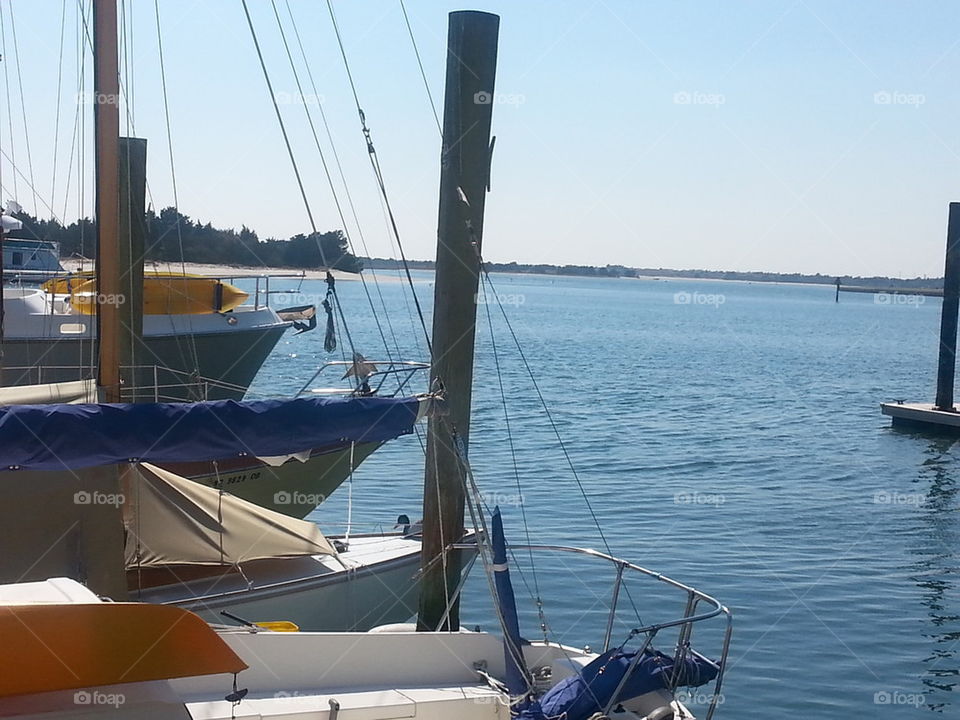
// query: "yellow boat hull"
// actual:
[[163, 293]]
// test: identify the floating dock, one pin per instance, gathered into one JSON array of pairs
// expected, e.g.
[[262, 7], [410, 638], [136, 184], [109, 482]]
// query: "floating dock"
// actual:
[[922, 416]]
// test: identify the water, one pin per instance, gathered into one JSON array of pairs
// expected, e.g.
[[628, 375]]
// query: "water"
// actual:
[[734, 442]]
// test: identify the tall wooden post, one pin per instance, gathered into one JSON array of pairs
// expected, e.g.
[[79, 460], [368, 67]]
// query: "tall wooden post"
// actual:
[[948, 315], [133, 183], [464, 177], [106, 115]]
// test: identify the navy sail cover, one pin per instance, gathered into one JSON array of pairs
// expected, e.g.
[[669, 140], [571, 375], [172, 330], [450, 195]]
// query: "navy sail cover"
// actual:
[[57, 437]]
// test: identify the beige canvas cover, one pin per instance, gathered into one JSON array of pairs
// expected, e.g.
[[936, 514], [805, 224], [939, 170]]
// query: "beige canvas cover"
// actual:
[[77, 391], [170, 520]]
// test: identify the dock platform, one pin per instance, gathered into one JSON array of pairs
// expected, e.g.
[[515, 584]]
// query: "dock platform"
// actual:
[[922, 416]]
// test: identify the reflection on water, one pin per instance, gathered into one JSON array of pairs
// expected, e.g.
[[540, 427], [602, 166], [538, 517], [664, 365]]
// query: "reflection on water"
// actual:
[[936, 569]]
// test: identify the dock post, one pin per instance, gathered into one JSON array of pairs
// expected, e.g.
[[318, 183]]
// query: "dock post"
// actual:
[[837, 298], [948, 315], [464, 178], [133, 182]]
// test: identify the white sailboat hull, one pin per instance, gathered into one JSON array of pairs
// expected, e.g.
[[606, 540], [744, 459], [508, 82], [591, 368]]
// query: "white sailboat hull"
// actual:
[[378, 586], [45, 341]]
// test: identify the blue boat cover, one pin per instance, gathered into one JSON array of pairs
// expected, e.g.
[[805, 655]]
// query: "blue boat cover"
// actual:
[[57, 437], [580, 696]]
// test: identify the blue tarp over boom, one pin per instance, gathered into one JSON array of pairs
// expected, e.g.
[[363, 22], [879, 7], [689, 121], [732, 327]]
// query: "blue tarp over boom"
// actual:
[[57, 437]]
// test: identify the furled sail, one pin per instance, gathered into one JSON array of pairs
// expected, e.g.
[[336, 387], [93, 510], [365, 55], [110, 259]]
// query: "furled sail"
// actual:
[[55, 437], [170, 520]]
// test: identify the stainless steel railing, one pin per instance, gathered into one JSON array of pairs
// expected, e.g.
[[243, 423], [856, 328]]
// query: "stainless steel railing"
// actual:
[[691, 616], [404, 370], [152, 382]]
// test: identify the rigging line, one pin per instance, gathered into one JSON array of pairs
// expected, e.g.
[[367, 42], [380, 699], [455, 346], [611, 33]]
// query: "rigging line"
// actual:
[[74, 134], [343, 181], [326, 171], [293, 162], [513, 451], [423, 74], [23, 107], [473, 501], [19, 172], [86, 34], [56, 126], [283, 127], [192, 342], [342, 175], [553, 424], [372, 154], [6, 85]]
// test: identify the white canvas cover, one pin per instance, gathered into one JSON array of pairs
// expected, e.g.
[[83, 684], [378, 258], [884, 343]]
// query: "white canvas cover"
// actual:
[[174, 521], [76, 391]]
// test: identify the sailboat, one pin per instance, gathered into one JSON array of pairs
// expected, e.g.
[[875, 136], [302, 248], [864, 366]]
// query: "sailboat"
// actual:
[[159, 661], [190, 338], [215, 355]]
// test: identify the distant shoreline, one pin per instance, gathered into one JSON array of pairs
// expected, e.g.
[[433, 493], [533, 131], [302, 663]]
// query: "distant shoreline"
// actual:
[[876, 284], [924, 286]]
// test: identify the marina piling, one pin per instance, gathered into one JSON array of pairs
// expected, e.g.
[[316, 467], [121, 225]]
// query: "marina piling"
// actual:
[[946, 368], [464, 178], [133, 183]]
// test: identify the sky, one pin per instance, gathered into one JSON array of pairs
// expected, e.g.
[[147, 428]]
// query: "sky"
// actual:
[[782, 136]]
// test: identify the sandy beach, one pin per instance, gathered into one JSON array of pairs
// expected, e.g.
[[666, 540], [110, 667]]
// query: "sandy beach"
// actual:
[[220, 271]]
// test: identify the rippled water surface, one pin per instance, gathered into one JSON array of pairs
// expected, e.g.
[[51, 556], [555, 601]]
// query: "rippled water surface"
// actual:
[[728, 435]]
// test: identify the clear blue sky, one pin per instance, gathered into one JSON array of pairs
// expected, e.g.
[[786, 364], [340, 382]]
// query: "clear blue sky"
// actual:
[[767, 135]]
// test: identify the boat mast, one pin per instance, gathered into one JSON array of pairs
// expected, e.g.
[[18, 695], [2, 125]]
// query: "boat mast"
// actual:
[[464, 180], [106, 115]]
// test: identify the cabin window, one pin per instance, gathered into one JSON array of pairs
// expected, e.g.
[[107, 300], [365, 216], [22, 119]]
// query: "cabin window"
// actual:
[[17, 258], [73, 328]]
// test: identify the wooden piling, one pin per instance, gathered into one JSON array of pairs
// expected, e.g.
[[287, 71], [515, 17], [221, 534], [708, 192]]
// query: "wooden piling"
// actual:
[[948, 315], [464, 177], [133, 182]]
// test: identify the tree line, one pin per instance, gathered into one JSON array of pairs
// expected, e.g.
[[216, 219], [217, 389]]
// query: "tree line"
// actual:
[[174, 237]]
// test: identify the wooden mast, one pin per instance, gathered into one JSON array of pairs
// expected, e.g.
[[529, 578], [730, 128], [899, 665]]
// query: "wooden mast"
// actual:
[[464, 178], [106, 97]]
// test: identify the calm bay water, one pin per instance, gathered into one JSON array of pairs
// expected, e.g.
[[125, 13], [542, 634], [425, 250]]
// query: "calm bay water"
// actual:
[[727, 435]]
